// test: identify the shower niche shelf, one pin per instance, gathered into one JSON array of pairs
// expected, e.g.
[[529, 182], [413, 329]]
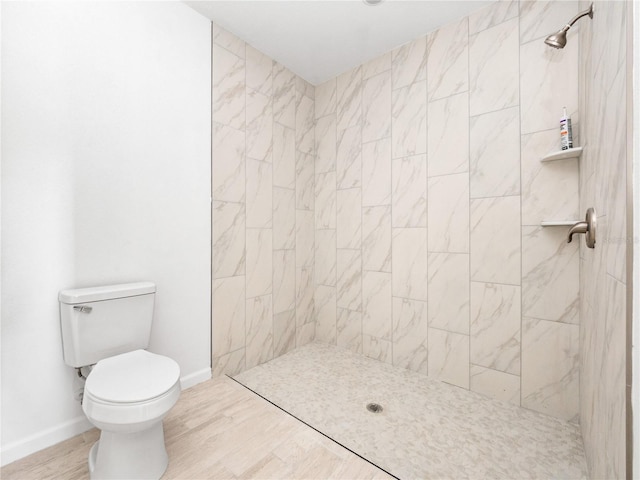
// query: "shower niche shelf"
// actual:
[[562, 154], [558, 223]]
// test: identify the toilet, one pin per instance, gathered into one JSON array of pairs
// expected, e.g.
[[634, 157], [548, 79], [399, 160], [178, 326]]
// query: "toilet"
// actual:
[[128, 390]]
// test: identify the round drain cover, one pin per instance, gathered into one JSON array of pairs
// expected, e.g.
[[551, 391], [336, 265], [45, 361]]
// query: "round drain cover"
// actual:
[[374, 407]]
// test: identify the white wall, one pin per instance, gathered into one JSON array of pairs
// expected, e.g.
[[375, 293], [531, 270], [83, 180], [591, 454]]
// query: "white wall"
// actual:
[[105, 178]]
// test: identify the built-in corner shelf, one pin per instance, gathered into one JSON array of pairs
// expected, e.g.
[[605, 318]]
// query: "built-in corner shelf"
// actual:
[[558, 223], [562, 154]]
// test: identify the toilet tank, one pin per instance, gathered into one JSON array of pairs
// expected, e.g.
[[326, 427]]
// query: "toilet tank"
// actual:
[[101, 322]]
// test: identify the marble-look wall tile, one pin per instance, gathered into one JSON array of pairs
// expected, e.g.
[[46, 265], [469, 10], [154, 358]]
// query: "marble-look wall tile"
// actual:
[[376, 238], [325, 259], [349, 330], [284, 332], [304, 238], [493, 68], [305, 88], [284, 96], [493, 14], [377, 348], [495, 154], [549, 190], [409, 191], [228, 239], [410, 330], [349, 218], [550, 367], [409, 263], [325, 100], [349, 157], [259, 262], [376, 304], [305, 334], [325, 135], [449, 357], [259, 71], [228, 88], [448, 60], [259, 331], [325, 202], [284, 219], [259, 126], [284, 280], [259, 194], [228, 41], [230, 364], [349, 286], [495, 240], [377, 65], [349, 99], [304, 297], [305, 183], [325, 308], [227, 303], [448, 292], [228, 164], [550, 267], [409, 120], [409, 63], [495, 326], [541, 99], [284, 156], [540, 18], [499, 385], [448, 213], [448, 135], [376, 107], [376, 172], [305, 122]]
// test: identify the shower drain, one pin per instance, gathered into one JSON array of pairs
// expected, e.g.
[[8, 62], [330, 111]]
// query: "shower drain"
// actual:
[[374, 407]]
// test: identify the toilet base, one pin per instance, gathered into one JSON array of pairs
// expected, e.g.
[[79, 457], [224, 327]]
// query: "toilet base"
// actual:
[[134, 456]]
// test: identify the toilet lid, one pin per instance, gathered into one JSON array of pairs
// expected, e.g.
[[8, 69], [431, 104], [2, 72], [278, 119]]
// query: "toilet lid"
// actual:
[[132, 377]]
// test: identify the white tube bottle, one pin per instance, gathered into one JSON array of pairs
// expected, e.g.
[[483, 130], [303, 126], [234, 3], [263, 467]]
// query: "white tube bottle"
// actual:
[[566, 136]]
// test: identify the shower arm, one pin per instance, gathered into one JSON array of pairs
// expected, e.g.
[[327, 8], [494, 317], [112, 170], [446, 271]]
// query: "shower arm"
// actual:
[[589, 12]]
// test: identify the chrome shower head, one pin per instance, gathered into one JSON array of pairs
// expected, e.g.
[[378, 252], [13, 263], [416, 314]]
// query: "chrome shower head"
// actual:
[[559, 39]]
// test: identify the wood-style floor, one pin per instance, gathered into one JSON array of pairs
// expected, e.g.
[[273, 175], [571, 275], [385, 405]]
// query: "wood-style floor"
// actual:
[[218, 430]]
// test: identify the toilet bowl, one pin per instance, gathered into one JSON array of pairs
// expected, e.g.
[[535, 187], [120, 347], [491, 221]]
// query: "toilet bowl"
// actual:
[[126, 397]]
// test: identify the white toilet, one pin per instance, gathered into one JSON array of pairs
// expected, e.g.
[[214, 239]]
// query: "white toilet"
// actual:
[[129, 390]]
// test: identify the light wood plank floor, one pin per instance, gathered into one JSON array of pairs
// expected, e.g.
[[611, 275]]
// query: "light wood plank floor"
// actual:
[[218, 430]]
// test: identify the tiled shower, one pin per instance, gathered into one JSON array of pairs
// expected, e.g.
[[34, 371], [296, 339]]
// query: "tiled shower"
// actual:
[[396, 211]]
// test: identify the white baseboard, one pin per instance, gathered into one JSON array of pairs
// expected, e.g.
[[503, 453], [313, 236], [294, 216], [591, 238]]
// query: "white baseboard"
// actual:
[[195, 378], [33, 443]]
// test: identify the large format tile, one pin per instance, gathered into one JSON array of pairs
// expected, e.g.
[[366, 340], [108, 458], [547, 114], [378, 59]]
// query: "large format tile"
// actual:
[[495, 240], [228, 239], [304, 297], [448, 135], [349, 218], [305, 123], [376, 304], [377, 65], [325, 257], [305, 182], [409, 120], [284, 219], [409, 63], [448, 213], [259, 126], [409, 191], [376, 172], [493, 14], [409, 263], [376, 107], [284, 96], [228, 88], [325, 99], [259, 262], [349, 158], [495, 326], [284, 280], [325, 308], [349, 99], [550, 367], [448, 60], [304, 238], [259, 69], [284, 332], [325, 202], [494, 162], [228, 171], [493, 68], [449, 357], [349, 330], [349, 285], [499, 385], [541, 18], [376, 238], [325, 137], [259, 194], [228, 40], [284, 156], [410, 330], [448, 292], [259, 330], [228, 325]]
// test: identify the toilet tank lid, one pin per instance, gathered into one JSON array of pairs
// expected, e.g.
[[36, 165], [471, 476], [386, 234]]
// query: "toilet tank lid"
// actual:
[[107, 292]]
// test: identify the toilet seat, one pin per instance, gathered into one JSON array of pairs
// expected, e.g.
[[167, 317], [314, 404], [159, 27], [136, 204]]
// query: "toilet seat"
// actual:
[[132, 377]]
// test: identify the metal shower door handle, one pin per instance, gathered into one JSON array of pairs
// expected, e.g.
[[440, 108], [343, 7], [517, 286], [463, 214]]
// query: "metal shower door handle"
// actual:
[[588, 227]]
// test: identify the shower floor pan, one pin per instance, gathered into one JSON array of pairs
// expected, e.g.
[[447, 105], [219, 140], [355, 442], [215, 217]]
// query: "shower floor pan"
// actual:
[[425, 429]]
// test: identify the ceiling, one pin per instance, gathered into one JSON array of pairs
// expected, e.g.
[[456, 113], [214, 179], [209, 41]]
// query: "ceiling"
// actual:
[[319, 39]]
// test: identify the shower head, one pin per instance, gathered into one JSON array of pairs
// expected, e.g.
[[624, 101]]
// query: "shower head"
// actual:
[[559, 39]]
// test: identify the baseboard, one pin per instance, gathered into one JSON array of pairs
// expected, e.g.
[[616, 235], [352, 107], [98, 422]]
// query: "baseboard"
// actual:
[[33, 443], [20, 449], [195, 378]]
